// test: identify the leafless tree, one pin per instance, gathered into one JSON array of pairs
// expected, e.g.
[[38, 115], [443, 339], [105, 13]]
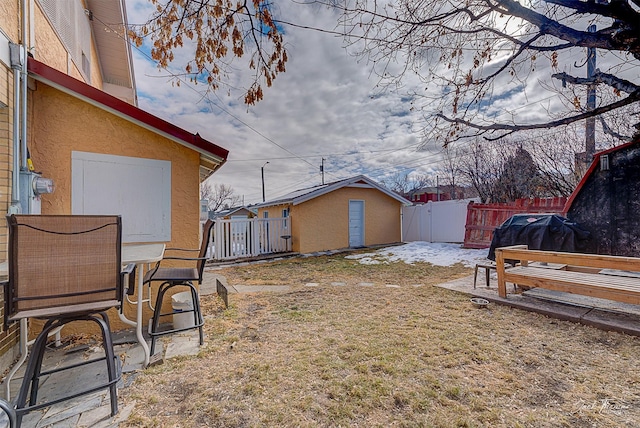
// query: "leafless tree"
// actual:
[[535, 165], [464, 51], [520, 178], [220, 31], [407, 184], [219, 196], [449, 168], [479, 166], [555, 155], [464, 54]]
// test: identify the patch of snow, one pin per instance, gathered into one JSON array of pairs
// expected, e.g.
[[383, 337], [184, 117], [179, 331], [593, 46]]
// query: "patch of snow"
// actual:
[[435, 253]]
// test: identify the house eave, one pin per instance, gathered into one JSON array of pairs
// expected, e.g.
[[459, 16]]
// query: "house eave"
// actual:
[[212, 155]]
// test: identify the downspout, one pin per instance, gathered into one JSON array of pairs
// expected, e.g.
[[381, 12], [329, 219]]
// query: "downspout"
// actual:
[[401, 222], [15, 66], [25, 47]]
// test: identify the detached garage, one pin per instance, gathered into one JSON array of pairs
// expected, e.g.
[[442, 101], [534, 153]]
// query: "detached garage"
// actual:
[[350, 213]]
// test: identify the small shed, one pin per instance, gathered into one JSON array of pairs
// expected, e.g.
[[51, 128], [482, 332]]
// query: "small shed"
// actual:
[[235, 212], [350, 213], [606, 202]]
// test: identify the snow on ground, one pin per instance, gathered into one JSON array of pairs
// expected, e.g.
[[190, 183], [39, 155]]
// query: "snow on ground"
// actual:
[[434, 253]]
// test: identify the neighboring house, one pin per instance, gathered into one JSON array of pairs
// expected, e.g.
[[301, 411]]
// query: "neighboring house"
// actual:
[[427, 194], [442, 193], [236, 212], [606, 202], [74, 113], [350, 213]]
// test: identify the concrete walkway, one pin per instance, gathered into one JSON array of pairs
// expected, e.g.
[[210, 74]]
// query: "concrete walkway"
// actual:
[[93, 410]]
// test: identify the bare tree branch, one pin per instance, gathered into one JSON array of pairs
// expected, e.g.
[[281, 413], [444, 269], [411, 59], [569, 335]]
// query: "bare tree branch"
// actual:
[[599, 77], [632, 98]]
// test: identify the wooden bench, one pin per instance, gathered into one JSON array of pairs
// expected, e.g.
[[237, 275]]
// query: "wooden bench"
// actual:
[[606, 277]]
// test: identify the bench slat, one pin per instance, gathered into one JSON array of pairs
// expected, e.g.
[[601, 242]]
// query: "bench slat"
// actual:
[[622, 289]]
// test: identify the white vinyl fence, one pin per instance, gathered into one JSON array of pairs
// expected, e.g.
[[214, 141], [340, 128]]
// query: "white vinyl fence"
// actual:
[[442, 221], [249, 237]]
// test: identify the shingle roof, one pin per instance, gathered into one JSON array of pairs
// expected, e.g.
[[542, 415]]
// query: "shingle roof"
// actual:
[[299, 196]]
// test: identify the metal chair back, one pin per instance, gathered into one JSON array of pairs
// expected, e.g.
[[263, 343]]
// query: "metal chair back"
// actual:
[[62, 263], [206, 236]]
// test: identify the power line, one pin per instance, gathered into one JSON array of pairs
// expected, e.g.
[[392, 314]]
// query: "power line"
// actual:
[[205, 95]]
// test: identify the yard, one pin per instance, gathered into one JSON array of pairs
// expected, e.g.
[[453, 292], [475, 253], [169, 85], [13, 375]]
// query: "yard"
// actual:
[[357, 355]]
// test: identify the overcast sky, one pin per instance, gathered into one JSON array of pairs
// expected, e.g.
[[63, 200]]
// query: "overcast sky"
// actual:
[[326, 105]]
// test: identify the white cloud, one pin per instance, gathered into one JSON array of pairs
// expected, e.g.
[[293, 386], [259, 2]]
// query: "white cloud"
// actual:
[[327, 104]]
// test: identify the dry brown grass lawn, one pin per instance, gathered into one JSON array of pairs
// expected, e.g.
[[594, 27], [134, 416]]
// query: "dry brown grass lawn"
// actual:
[[377, 356]]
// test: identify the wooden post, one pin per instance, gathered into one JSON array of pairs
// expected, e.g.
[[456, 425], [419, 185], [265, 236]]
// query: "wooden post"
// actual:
[[502, 285]]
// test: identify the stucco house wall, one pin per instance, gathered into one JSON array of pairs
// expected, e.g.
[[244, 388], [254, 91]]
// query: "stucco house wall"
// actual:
[[322, 223], [61, 124]]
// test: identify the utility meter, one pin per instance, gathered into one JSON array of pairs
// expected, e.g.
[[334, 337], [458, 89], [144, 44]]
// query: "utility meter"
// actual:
[[42, 185], [31, 187]]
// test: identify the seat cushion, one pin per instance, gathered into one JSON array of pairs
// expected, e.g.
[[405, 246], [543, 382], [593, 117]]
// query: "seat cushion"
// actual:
[[172, 274]]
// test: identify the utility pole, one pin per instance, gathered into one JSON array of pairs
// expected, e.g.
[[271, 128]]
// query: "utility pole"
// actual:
[[322, 170], [583, 159], [590, 125], [262, 172]]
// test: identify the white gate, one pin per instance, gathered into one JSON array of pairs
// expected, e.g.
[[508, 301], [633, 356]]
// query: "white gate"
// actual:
[[249, 237], [442, 221]]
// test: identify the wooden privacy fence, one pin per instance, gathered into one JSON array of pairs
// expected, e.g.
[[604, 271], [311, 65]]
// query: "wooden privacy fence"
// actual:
[[250, 237], [482, 219]]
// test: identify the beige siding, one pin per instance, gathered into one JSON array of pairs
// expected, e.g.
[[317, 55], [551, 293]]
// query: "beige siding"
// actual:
[[96, 73], [8, 339]]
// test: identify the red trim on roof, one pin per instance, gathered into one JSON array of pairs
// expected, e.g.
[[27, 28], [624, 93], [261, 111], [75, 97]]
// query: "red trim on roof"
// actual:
[[54, 76], [592, 167]]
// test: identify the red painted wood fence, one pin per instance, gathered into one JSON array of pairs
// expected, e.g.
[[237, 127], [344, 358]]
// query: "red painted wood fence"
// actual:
[[482, 219]]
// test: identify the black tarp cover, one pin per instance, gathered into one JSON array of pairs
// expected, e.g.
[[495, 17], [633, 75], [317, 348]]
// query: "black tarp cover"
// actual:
[[549, 232]]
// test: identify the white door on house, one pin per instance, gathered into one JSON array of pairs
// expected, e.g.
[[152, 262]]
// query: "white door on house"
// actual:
[[356, 223]]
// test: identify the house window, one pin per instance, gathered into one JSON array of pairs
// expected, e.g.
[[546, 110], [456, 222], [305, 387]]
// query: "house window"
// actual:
[[265, 214], [285, 215]]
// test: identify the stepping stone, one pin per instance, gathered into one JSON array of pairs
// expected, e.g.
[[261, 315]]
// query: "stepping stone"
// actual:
[[365, 284], [311, 284], [417, 285], [67, 413], [185, 343], [339, 284], [392, 286]]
